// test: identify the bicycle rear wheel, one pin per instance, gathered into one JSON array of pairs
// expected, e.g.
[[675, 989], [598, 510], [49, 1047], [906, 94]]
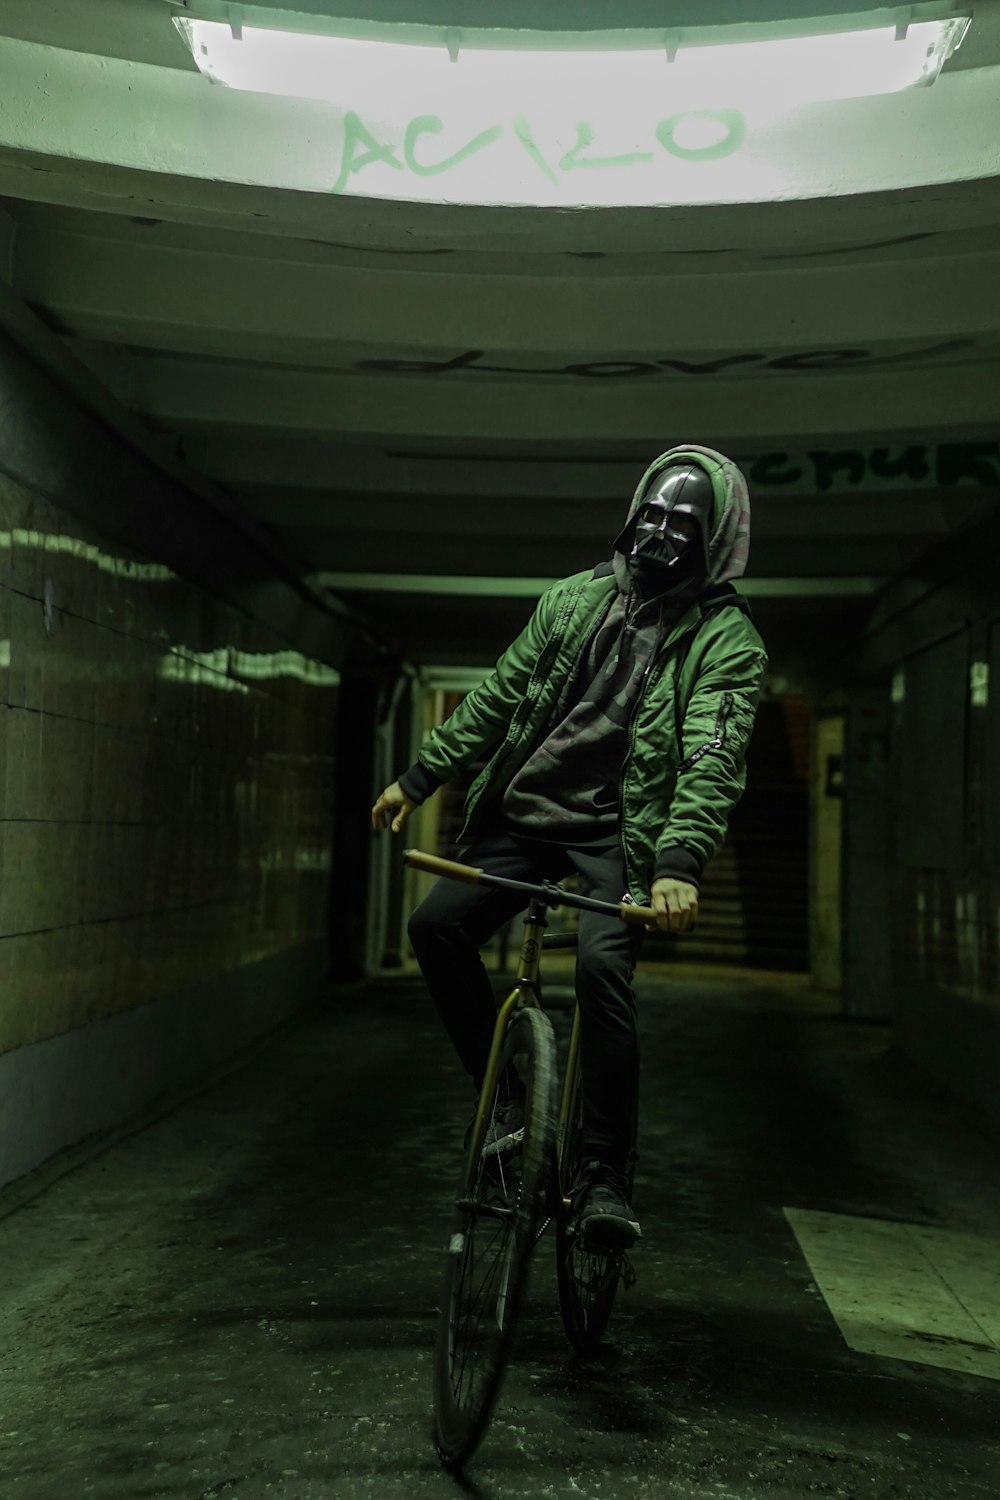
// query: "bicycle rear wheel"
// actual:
[[588, 1277], [501, 1200]]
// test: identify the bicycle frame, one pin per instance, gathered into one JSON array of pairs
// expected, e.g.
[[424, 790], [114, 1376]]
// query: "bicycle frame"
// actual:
[[497, 1221], [526, 988], [525, 992]]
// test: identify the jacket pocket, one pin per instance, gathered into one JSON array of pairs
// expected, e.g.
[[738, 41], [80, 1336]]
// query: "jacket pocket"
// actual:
[[722, 720]]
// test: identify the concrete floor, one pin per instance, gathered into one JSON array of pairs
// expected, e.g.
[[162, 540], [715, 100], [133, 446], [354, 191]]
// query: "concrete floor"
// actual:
[[239, 1300]]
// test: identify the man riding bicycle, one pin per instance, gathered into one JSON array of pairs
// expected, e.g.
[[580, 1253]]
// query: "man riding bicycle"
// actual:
[[614, 731]]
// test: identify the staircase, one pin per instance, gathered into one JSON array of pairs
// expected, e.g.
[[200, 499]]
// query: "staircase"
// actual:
[[754, 907]]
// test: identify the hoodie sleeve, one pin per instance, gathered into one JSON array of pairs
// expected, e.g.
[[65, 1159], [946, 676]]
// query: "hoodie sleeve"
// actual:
[[481, 721], [711, 777]]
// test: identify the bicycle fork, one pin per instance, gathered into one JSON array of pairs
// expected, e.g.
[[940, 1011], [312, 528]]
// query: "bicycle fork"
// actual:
[[525, 992]]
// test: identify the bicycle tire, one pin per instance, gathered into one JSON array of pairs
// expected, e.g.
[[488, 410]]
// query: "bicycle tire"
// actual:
[[501, 1201], [588, 1278]]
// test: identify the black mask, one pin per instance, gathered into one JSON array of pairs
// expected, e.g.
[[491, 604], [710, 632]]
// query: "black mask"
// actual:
[[666, 541]]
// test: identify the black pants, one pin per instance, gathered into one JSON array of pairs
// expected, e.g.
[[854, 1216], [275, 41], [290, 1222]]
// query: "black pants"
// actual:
[[454, 921]]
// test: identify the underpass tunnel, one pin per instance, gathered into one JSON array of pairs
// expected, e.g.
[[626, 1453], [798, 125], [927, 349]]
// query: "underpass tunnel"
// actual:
[[864, 850], [288, 456]]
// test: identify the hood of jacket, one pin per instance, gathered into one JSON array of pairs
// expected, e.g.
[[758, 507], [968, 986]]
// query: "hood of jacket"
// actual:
[[729, 544]]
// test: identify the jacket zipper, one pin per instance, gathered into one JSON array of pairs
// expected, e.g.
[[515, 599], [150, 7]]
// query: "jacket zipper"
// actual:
[[633, 712], [684, 641], [725, 709], [523, 710]]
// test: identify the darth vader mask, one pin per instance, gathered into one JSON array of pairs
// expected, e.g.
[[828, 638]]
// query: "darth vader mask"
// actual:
[[666, 540]]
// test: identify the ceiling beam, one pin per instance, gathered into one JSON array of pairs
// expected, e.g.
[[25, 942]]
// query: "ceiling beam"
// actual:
[[235, 304], [389, 233], [466, 551], [863, 515], [773, 408], [107, 106], [317, 472]]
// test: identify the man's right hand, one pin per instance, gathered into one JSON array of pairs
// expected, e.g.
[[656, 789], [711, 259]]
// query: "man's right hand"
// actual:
[[392, 801]]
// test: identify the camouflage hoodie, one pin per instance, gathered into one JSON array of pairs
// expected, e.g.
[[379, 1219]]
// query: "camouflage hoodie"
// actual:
[[687, 717]]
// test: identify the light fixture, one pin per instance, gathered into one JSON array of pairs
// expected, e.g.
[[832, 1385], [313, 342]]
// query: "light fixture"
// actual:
[[358, 65], [589, 119]]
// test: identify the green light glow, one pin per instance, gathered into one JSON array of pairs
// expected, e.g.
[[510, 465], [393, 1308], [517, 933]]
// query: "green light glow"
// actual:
[[72, 546], [711, 67], [488, 116], [460, 587], [224, 668]]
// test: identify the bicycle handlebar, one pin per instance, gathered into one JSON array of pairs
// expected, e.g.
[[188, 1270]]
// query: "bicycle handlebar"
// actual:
[[552, 895], [433, 864]]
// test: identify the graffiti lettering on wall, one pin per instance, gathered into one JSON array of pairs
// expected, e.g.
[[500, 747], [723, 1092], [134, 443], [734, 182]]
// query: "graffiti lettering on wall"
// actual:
[[695, 135], [936, 466], [803, 363]]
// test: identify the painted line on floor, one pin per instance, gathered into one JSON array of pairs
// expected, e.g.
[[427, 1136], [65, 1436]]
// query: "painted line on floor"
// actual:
[[907, 1291]]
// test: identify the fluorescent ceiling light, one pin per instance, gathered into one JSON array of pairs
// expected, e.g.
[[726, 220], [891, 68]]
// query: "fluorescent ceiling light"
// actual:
[[530, 588], [743, 67]]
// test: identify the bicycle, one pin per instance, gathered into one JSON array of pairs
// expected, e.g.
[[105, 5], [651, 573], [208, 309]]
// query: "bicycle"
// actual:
[[513, 1185]]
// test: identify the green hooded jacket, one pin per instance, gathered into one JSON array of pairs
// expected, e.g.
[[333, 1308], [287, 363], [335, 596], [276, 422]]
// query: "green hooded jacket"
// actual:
[[689, 728]]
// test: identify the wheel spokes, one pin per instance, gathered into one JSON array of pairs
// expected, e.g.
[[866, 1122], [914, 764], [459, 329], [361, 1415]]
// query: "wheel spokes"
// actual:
[[492, 1234], [485, 1279]]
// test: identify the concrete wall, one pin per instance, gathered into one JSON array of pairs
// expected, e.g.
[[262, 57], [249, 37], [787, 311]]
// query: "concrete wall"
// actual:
[[165, 791], [825, 896], [925, 924], [945, 880]]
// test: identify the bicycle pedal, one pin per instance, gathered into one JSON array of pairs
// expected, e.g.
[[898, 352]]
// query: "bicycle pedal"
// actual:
[[505, 1144]]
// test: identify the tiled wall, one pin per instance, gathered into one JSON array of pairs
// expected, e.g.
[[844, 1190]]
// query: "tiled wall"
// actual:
[[165, 779]]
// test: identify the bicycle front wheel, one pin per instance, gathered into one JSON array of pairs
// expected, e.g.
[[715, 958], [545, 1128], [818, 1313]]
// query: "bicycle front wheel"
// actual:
[[588, 1276], [501, 1201]]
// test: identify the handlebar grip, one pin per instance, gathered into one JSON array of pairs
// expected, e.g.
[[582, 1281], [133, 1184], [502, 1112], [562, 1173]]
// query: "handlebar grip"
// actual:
[[643, 914], [433, 864]]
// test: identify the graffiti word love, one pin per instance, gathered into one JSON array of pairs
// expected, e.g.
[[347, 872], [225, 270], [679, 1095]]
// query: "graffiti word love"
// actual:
[[694, 135], [802, 362]]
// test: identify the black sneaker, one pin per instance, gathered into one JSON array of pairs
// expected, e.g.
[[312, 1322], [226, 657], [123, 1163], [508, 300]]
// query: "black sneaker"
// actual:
[[604, 1217]]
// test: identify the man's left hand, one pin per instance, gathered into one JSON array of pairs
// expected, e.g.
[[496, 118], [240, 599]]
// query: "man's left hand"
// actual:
[[675, 903]]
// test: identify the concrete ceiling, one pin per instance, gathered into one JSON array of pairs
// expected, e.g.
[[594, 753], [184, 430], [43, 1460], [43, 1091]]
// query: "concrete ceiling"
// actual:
[[435, 407]]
